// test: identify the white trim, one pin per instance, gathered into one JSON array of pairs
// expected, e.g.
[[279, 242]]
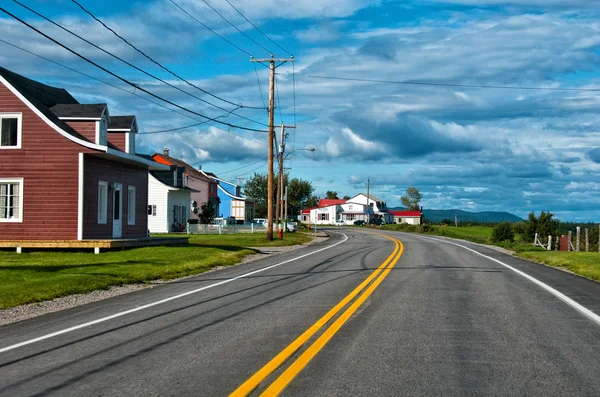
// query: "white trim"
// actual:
[[97, 139], [80, 118], [50, 123], [118, 129], [130, 219], [141, 160], [80, 200], [214, 178], [103, 220], [127, 143], [231, 195], [20, 182], [19, 117]]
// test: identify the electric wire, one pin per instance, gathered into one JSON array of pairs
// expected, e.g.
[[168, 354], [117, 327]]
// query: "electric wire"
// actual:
[[239, 168], [184, 127], [256, 27], [278, 100], [259, 87], [425, 83], [127, 81], [158, 63], [255, 169], [294, 90], [211, 30], [132, 65], [235, 27]]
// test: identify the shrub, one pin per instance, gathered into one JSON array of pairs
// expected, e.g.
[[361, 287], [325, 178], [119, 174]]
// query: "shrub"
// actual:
[[503, 232]]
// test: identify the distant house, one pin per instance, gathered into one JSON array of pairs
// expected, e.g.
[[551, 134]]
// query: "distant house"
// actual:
[[410, 217], [169, 200], [63, 175], [204, 189], [232, 204], [346, 212]]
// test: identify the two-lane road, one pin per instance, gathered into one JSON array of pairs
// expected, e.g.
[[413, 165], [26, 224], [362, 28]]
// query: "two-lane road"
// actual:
[[361, 314]]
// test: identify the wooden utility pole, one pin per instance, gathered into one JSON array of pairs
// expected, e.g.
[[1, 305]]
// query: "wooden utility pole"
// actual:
[[281, 150], [271, 129]]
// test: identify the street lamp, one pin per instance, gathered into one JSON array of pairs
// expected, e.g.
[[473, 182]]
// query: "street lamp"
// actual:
[[283, 194]]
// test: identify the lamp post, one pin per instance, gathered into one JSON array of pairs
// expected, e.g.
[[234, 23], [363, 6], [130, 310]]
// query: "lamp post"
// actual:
[[283, 194]]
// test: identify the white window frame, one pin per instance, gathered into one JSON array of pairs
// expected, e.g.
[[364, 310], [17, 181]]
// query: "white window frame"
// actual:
[[18, 219], [19, 117], [130, 210], [103, 212]]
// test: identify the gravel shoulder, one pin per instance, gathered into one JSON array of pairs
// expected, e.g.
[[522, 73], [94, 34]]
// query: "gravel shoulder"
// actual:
[[31, 310]]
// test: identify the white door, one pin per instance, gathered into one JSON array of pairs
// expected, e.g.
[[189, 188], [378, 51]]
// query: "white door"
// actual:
[[117, 210]]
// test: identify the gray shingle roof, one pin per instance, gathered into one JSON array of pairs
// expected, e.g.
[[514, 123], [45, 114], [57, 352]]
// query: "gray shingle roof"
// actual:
[[68, 110], [121, 122]]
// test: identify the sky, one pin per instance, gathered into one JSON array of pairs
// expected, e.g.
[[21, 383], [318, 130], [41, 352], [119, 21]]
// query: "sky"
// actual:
[[533, 145]]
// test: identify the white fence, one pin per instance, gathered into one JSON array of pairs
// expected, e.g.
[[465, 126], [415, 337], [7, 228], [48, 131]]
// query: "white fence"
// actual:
[[229, 229]]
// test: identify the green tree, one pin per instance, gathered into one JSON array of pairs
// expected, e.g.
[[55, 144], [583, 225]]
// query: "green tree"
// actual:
[[412, 199], [331, 195], [503, 232], [346, 197], [208, 213], [299, 192], [530, 227], [312, 202], [544, 226]]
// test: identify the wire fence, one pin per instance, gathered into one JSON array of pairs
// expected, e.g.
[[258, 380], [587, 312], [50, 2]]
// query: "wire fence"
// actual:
[[227, 229]]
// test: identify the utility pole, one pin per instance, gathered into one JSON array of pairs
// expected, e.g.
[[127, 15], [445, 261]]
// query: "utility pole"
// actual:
[[271, 128], [281, 150]]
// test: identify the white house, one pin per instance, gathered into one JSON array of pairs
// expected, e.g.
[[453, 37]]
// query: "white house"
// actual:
[[359, 207], [375, 207], [410, 217], [169, 201]]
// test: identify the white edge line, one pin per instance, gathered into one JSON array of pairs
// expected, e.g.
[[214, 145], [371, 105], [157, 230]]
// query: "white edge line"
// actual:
[[120, 314], [582, 309]]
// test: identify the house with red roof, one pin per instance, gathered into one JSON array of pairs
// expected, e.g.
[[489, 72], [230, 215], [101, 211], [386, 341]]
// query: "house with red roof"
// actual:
[[68, 171], [406, 216]]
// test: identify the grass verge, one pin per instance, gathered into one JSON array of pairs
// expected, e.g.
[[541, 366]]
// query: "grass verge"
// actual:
[[586, 264], [44, 275]]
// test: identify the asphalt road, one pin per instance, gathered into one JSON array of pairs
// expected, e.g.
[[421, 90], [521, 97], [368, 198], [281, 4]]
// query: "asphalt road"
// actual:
[[442, 321]]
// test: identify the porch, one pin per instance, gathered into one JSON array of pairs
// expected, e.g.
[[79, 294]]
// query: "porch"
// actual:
[[96, 245]]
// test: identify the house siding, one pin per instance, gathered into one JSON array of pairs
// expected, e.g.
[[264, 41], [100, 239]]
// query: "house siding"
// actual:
[[158, 196], [117, 139], [98, 169], [181, 198], [48, 164], [85, 128]]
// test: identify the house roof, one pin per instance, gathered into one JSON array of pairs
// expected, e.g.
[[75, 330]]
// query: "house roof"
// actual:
[[78, 110], [121, 122], [405, 213], [329, 202], [42, 96], [370, 196], [307, 210], [191, 171]]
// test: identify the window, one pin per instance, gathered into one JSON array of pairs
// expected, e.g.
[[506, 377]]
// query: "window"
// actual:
[[350, 207], [11, 200], [350, 217], [10, 130], [324, 217], [152, 210], [102, 201], [131, 205]]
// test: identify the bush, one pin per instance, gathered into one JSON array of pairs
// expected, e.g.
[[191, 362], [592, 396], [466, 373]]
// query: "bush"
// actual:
[[503, 232]]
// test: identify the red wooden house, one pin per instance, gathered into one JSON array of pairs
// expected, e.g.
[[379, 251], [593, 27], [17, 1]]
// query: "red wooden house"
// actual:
[[68, 171]]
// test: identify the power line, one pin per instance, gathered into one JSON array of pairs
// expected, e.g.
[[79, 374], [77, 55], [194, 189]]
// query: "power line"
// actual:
[[256, 27], [455, 85], [154, 61], [259, 88], [181, 128], [239, 168], [127, 81], [294, 92], [259, 167], [278, 100], [235, 27], [132, 65], [211, 30], [124, 90]]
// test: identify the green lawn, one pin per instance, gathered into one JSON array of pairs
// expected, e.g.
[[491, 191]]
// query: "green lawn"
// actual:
[[44, 275], [586, 264]]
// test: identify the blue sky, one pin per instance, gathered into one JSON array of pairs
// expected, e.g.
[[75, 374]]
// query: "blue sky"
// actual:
[[476, 149]]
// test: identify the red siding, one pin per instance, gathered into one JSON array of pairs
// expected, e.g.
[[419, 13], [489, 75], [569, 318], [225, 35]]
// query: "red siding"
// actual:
[[118, 139], [97, 169], [85, 128], [48, 163]]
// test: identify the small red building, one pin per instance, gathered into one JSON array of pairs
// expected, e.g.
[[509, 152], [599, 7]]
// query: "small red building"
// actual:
[[68, 171]]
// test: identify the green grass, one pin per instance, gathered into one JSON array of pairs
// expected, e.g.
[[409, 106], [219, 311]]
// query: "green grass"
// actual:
[[586, 264], [44, 275]]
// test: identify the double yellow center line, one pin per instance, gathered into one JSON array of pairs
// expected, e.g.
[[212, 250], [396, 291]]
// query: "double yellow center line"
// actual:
[[286, 377]]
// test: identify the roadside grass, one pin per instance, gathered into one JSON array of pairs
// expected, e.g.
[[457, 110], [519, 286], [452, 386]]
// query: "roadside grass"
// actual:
[[586, 264], [36, 276]]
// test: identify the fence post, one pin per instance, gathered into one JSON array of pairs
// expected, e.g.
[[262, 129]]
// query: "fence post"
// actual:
[[578, 238], [570, 234], [587, 240], [535, 239], [252, 228], [550, 243], [220, 229]]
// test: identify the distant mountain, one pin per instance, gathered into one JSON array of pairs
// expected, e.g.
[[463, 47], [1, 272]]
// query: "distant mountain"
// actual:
[[465, 216]]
